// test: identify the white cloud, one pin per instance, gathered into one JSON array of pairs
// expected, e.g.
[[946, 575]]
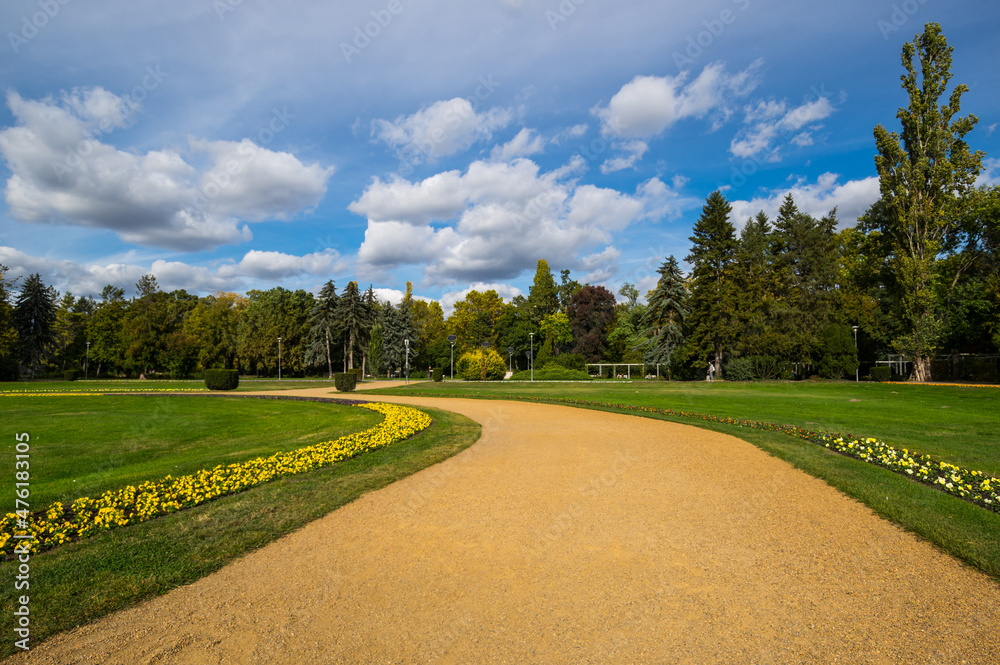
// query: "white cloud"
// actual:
[[769, 121], [278, 265], [90, 279], [570, 133], [634, 150], [851, 199], [444, 128], [526, 143], [990, 175], [505, 291], [648, 105], [496, 220], [62, 173]]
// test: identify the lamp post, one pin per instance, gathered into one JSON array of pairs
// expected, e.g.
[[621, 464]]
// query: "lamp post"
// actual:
[[857, 367], [279, 359], [531, 356], [406, 343], [510, 359], [452, 338], [86, 364]]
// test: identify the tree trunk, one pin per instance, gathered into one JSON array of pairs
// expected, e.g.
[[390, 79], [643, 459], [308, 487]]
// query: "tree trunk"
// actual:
[[329, 358], [718, 360], [350, 350], [921, 369]]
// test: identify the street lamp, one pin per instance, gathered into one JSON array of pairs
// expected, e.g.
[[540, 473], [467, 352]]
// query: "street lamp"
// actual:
[[531, 356], [510, 360], [279, 359], [857, 367], [452, 338], [86, 364], [406, 343]]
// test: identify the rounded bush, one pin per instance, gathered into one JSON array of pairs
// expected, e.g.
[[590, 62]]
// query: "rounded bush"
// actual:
[[481, 365], [438, 374], [70, 375], [222, 379], [345, 382], [881, 373], [740, 369]]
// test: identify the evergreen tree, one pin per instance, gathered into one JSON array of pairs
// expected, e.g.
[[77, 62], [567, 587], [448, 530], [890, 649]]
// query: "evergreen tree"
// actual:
[[8, 332], [376, 348], [806, 264], [713, 295], [666, 315], [755, 280], [323, 326], [34, 321], [354, 321], [543, 296], [923, 175]]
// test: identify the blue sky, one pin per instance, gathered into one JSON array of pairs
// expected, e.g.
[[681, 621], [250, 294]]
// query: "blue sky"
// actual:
[[240, 144]]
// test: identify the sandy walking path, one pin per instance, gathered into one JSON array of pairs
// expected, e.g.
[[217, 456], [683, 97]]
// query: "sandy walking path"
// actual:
[[573, 536]]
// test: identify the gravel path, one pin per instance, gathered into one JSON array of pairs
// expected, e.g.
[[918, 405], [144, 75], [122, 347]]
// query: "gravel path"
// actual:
[[573, 536]]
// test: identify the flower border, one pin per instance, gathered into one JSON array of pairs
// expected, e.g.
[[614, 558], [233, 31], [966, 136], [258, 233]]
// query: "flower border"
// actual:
[[58, 524], [974, 486]]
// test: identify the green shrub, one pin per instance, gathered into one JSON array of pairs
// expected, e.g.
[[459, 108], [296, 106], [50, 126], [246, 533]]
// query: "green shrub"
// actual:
[[575, 361], [358, 375], [438, 374], [740, 369], [345, 382], [222, 379], [767, 367], [70, 375], [840, 357], [881, 373], [481, 365]]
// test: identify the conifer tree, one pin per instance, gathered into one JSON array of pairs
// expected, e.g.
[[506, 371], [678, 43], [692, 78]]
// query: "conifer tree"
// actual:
[[543, 296], [713, 295], [667, 311], [34, 319], [323, 325]]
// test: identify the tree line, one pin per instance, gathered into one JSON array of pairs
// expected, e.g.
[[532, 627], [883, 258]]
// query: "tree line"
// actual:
[[918, 276]]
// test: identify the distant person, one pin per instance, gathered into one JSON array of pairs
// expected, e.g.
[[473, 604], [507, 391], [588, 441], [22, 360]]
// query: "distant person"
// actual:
[[711, 371]]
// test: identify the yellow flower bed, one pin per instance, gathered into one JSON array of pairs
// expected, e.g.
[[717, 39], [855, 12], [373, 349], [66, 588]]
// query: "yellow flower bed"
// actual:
[[150, 499]]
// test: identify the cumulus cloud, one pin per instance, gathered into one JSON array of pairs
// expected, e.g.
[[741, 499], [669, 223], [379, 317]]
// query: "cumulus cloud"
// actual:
[[496, 220], [990, 175], [443, 128], [851, 199], [526, 143], [505, 291], [632, 153], [63, 172], [768, 121], [90, 279], [648, 105]]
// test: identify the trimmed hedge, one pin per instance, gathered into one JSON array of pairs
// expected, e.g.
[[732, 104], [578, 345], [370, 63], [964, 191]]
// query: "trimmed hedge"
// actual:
[[70, 375], [881, 373], [222, 379], [438, 374], [345, 382]]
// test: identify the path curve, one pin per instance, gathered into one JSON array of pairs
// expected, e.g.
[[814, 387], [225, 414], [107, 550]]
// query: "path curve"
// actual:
[[573, 536]]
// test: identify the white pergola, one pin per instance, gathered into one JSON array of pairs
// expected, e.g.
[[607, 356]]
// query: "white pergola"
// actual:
[[626, 366]]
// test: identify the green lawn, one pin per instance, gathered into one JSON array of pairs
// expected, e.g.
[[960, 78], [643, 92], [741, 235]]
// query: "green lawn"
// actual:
[[83, 446], [85, 580], [966, 433], [957, 424]]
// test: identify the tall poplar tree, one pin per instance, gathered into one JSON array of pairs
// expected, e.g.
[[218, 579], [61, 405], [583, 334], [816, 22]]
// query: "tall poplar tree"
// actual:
[[713, 295], [543, 296], [924, 173]]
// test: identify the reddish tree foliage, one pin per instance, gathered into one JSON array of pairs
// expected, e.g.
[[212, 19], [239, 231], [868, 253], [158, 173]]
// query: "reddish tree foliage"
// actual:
[[591, 311]]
